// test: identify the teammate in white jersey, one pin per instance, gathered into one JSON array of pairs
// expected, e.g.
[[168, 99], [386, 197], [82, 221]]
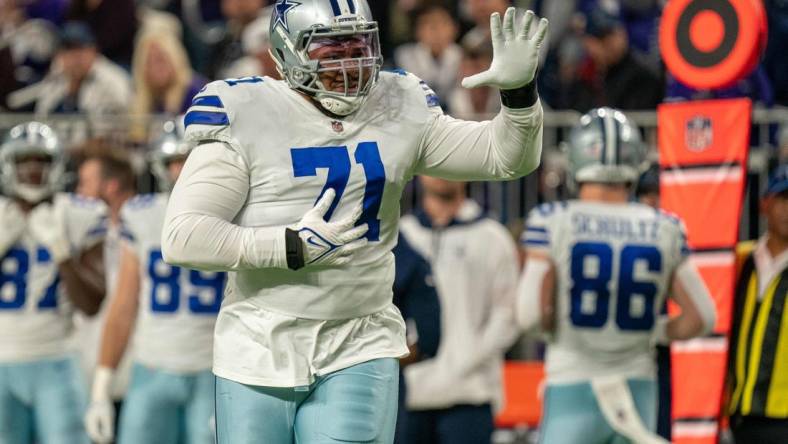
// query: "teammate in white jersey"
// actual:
[[597, 272], [47, 241], [295, 188], [172, 312]]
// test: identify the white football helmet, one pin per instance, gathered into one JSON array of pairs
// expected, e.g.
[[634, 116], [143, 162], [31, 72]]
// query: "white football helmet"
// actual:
[[32, 162], [605, 147], [300, 27]]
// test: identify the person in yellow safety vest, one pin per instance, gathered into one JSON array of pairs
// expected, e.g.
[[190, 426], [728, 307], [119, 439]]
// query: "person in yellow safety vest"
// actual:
[[758, 367]]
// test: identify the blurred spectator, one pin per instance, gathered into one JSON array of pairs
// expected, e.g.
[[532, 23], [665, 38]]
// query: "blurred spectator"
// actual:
[[757, 358], [476, 103], [451, 398], [27, 46], [163, 78], [434, 56], [113, 22], [755, 86], [255, 41], [239, 14], [480, 11], [611, 75], [775, 62], [416, 298], [81, 80]]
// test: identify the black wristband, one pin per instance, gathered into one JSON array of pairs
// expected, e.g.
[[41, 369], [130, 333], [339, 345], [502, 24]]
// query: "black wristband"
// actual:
[[523, 97], [294, 249]]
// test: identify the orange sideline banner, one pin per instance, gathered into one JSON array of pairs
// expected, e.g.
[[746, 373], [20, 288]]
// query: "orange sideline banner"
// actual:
[[703, 149]]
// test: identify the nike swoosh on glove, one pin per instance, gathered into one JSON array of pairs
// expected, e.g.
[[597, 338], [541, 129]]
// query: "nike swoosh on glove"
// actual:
[[330, 243], [515, 56]]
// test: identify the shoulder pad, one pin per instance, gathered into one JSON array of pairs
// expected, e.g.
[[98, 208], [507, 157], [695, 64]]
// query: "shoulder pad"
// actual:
[[212, 112], [418, 86]]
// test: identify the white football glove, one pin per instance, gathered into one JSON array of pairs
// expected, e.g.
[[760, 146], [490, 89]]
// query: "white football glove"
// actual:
[[515, 56], [100, 416], [48, 227], [12, 224], [329, 243]]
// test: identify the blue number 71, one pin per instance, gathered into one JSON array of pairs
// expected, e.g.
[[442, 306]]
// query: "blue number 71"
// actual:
[[336, 159]]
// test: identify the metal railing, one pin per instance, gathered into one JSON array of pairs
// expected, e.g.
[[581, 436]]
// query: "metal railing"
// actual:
[[508, 201]]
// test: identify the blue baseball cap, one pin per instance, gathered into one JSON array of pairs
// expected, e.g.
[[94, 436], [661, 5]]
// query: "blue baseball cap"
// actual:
[[778, 181], [76, 35]]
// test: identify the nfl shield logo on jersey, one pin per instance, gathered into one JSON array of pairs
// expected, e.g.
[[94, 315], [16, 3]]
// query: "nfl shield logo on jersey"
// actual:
[[699, 133], [337, 126]]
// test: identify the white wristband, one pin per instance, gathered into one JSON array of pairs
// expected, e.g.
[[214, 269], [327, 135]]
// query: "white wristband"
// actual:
[[102, 383]]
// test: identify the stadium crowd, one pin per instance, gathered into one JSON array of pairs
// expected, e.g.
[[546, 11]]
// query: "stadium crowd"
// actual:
[[151, 56]]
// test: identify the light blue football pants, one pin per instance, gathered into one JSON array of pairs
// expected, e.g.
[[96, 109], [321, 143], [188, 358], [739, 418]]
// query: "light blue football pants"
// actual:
[[167, 408], [572, 415], [354, 405], [43, 402]]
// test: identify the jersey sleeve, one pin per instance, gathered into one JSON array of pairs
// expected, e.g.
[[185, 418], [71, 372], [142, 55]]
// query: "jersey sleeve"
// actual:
[[131, 216], [538, 232], [86, 219], [678, 246], [507, 147], [211, 115]]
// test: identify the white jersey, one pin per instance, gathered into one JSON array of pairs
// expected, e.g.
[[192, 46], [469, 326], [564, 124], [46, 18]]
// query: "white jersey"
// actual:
[[35, 312], [177, 307], [614, 266], [286, 152]]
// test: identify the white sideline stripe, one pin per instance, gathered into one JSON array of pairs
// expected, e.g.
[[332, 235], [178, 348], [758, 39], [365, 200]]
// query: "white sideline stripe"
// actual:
[[718, 344], [713, 259], [694, 429], [702, 175]]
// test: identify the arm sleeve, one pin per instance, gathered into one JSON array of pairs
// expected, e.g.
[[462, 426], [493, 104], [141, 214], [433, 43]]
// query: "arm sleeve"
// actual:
[[198, 232], [507, 147]]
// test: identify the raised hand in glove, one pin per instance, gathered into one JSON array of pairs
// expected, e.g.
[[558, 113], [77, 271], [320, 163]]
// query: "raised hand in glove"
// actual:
[[327, 243], [12, 224], [515, 54]]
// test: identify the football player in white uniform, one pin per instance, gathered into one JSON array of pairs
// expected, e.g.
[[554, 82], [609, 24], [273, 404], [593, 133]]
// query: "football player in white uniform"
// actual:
[[172, 312], [295, 188], [48, 241], [597, 272]]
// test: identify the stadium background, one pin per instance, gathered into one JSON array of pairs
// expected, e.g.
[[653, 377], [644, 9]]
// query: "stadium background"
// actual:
[[226, 38]]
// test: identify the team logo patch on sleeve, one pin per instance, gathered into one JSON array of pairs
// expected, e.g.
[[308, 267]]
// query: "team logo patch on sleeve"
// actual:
[[432, 98]]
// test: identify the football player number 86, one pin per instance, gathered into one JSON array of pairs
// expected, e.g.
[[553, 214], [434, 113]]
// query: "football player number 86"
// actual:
[[629, 314]]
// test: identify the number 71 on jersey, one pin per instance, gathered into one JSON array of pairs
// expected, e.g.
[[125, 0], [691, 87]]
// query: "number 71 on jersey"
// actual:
[[336, 159]]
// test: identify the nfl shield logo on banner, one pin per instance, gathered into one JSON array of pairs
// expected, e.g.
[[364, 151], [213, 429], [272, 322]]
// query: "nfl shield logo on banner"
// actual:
[[699, 133]]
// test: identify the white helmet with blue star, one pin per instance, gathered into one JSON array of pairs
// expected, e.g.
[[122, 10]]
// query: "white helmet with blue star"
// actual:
[[344, 32]]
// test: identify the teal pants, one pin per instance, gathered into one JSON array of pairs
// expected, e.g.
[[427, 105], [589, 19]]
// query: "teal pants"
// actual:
[[42, 402], [572, 415], [167, 408], [354, 405]]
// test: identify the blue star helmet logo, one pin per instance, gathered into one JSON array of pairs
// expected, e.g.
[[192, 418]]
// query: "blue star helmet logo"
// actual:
[[281, 8]]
